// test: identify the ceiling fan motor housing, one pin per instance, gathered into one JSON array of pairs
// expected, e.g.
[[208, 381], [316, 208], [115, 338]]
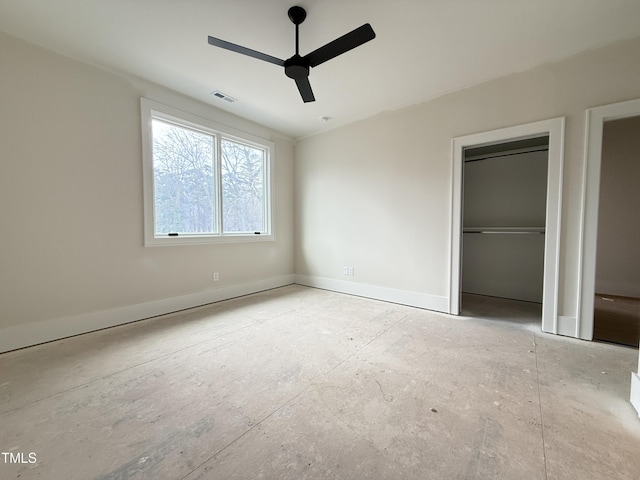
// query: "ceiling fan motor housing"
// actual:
[[296, 68]]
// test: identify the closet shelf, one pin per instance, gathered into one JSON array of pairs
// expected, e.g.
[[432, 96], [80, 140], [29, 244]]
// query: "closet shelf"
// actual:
[[506, 230]]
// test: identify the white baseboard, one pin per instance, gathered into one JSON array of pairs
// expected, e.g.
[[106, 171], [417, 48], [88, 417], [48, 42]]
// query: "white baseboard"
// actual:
[[404, 297], [635, 391], [20, 336]]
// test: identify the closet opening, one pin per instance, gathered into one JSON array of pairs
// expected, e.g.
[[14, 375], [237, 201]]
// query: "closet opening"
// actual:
[[503, 229], [503, 144]]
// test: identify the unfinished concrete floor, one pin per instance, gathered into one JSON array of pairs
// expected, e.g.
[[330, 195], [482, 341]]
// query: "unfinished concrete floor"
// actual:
[[300, 383]]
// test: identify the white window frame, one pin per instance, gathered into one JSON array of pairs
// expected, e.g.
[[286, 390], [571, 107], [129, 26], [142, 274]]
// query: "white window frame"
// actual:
[[152, 110]]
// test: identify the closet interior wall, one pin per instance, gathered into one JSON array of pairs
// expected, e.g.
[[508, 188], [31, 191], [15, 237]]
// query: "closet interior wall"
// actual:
[[505, 188]]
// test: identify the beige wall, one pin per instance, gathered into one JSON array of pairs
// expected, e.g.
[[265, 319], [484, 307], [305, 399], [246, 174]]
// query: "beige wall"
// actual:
[[71, 198], [377, 194], [618, 252]]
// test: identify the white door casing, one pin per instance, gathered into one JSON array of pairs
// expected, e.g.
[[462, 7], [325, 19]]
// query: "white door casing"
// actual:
[[595, 118], [554, 128]]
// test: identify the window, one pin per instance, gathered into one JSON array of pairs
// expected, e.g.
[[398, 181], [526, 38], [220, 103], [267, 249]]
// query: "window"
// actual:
[[203, 183]]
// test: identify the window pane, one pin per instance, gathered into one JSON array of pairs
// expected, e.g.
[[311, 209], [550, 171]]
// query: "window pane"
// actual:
[[243, 189], [183, 170]]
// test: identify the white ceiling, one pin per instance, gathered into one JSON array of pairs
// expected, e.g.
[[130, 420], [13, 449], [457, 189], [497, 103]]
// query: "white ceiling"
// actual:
[[423, 48]]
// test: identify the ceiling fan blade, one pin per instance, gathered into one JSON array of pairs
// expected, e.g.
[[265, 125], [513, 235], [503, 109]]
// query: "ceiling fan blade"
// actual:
[[245, 51], [305, 89], [349, 41]]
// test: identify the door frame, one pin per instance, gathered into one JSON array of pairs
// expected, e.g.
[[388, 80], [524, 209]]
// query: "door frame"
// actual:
[[554, 128], [595, 118]]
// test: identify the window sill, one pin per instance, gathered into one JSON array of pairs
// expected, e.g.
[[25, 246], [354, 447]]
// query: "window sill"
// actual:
[[166, 241]]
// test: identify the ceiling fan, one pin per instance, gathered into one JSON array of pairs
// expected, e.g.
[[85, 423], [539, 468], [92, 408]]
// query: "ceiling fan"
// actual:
[[297, 67]]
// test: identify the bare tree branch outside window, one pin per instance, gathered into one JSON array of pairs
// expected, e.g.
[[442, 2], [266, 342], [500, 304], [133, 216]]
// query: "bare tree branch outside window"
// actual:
[[183, 165], [185, 182], [242, 187]]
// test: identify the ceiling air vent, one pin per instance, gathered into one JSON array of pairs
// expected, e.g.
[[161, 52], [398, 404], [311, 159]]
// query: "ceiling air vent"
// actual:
[[223, 96]]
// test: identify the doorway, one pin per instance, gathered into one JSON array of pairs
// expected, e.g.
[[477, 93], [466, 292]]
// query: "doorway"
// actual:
[[553, 130], [617, 282], [596, 119], [503, 226]]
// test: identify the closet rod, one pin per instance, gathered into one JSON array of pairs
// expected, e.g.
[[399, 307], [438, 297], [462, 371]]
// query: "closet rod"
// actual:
[[478, 158], [505, 232], [511, 230]]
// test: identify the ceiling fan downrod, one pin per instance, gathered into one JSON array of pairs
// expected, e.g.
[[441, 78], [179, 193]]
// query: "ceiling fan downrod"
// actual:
[[295, 67], [297, 16]]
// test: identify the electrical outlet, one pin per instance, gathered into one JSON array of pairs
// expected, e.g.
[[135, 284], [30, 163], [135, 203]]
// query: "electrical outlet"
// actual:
[[216, 276], [345, 270], [350, 271]]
